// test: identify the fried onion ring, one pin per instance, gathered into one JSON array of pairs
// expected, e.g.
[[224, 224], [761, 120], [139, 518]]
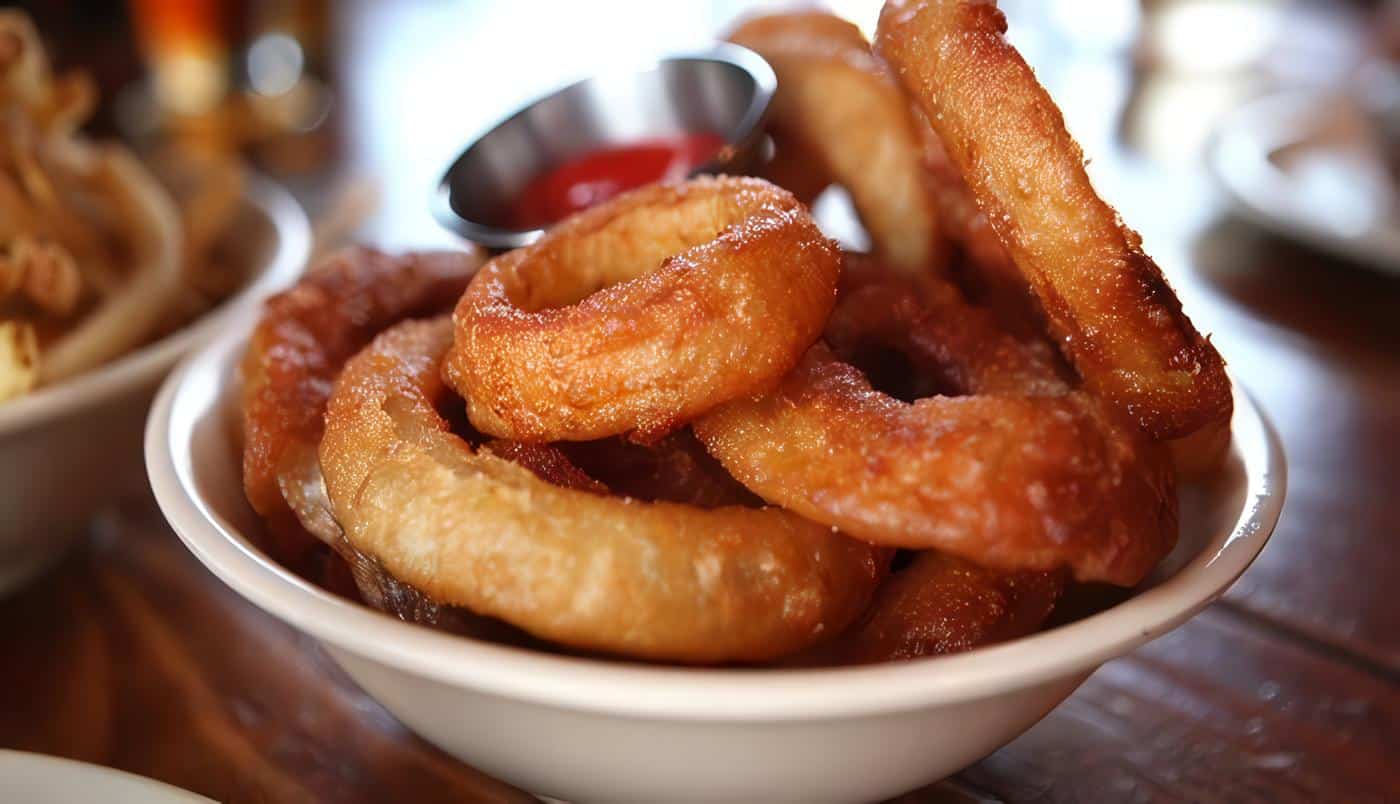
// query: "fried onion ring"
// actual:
[[1116, 318], [1021, 474], [649, 580], [940, 605], [643, 312], [838, 104], [299, 347]]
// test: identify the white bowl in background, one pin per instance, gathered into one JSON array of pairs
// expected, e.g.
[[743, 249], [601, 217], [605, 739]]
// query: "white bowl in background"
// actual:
[[69, 449], [40, 779], [592, 730]]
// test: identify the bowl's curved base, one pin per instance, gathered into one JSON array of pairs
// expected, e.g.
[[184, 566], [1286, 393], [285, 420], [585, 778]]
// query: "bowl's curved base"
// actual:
[[581, 756]]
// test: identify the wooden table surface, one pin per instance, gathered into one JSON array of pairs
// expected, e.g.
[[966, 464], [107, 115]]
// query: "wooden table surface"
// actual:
[[129, 654]]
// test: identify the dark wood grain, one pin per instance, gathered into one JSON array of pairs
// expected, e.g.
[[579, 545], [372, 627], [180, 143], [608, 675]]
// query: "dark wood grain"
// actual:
[[1318, 342], [1215, 711], [131, 655]]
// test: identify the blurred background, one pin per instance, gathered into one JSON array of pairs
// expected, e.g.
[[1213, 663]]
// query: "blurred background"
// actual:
[[316, 91]]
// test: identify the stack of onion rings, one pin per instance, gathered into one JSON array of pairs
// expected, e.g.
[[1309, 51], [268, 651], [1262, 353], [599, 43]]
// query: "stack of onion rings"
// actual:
[[652, 580], [671, 449], [1016, 472]]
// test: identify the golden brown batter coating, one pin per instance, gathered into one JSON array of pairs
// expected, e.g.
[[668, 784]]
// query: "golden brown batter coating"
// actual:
[[1022, 473], [643, 312], [649, 580], [1114, 315], [940, 605], [304, 338]]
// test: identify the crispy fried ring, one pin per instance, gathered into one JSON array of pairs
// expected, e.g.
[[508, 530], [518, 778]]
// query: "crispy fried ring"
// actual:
[[838, 103], [940, 605], [303, 340], [641, 313], [650, 580], [1116, 318], [1022, 474]]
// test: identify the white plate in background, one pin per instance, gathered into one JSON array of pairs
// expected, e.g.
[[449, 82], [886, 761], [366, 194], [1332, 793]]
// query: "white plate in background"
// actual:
[[1311, 166]]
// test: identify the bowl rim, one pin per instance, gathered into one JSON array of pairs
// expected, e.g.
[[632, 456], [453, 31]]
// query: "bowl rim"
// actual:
[[765, 83], [142, 365], [697, 694]]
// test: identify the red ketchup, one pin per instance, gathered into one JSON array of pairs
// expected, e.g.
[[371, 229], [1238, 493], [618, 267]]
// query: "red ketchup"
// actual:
[[599, 175]]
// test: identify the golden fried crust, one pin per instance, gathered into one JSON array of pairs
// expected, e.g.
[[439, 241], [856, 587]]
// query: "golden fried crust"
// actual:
[[641, 313], [304, 338], [1010, 482], [1023, 473], [794, 166], [838, 105], [940, 605], [1116, 318], [648, 580]]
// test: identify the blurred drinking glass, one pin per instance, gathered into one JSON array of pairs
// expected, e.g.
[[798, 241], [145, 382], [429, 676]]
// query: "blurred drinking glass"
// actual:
[[239, 76]]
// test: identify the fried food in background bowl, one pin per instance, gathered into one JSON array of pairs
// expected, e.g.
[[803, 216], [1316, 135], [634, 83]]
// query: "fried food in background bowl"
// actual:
[[107, 271]]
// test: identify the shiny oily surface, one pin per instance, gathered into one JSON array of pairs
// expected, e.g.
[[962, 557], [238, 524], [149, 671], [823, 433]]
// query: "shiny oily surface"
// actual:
[[651, 580], [1016, 472], [951, 473], [302, 341], [849, 122], [1113, 313], [639, 314], [940, 605]]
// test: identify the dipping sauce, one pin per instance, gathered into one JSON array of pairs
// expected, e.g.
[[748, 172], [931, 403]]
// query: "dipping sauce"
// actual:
[[599, 175]]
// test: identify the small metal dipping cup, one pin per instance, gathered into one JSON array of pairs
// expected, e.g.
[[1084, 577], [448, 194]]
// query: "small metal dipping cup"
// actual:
[[724, 90]]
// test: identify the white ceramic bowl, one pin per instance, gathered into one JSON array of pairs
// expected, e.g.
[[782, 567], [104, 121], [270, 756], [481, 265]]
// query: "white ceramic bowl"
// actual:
[[71, 448], [590, 730]]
